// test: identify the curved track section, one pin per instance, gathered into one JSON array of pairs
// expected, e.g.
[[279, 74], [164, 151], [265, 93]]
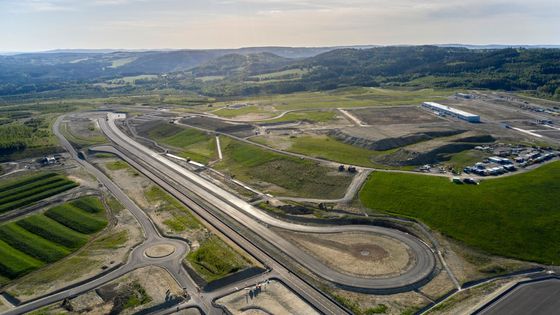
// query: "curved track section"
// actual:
[[258, 221]]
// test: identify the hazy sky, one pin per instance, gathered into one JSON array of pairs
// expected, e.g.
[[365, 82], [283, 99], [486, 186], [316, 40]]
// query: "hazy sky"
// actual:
[[48, 24]]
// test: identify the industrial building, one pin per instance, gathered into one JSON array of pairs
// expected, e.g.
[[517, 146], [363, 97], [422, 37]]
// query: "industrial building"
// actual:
[[443, 109]]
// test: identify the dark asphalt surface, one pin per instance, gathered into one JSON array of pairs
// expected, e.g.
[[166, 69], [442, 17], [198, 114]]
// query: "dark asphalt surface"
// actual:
[[537, 298]]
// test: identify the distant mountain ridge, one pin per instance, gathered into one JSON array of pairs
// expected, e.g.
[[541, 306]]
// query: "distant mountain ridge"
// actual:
[[255, 70]]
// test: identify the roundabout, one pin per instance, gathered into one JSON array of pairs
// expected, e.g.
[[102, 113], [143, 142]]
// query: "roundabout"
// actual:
[[159, 251]]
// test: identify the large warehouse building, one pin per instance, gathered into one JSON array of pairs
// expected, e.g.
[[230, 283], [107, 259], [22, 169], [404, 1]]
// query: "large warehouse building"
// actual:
[[451, 111]]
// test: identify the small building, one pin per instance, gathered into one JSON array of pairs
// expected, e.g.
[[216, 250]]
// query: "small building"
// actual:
[[439, 108]]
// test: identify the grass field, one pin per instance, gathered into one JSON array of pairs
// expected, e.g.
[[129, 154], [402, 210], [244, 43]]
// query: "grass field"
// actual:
[[116, 165], [192, 143], [345, 97], [32, 242], [285, 74], [331, 149], [515, 216], [292, 175], [214, 259], [311, 116], [25, 191], [77, 219], [466, 158], [79, 139], [182, 219]]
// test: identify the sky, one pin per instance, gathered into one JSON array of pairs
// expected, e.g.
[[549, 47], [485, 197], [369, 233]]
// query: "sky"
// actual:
[[35, 25]]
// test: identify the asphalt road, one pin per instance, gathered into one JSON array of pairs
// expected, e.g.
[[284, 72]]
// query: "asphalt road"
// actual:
[[137, 258], [309, 294], [258, 221], [536, 298]]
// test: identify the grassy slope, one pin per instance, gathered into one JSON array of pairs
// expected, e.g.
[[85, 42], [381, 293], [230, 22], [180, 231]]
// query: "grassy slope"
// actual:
[[24, 191], [331, 149], [29, 243], [214, 259], [193, 143], [77, 219], [466, 158], [300, 177], [515, 216]]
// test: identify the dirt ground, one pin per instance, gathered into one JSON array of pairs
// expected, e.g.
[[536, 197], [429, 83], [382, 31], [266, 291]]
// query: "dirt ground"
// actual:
[[470, 300], [468, 264], [133, 184], [395, 115], [397, 304], [152, 285], [438, 286], [272, 298], [79, 175], [357, 253]]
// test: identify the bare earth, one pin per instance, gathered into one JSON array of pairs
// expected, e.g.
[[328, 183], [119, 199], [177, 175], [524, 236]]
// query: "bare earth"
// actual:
[[273, 298], [357, 253]]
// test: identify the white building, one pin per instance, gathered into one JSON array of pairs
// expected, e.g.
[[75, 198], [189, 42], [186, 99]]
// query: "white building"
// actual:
[[452, 111]]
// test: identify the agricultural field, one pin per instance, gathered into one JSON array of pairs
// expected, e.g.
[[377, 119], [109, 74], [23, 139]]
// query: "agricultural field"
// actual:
[[40, 239], [214, 259], [25, 191], [190, 143], [278, 173], [499, 216]]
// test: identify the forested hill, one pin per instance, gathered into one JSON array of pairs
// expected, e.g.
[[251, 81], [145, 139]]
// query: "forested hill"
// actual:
[[250, 71], [508, 69]]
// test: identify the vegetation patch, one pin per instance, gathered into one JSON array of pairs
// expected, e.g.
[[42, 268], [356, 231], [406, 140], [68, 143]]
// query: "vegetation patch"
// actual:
[[77, 219], [191, 143], [499, 216], [182, 219], [24, 138], [310, 116], [214, 259], [328, 148], [22, 192], [298, 177], [116, 165], [15, 263], [31, 244], [53, 231], [34, 241]]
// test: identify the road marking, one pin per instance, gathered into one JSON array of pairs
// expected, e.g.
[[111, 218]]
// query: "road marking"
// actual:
[[352, 117], [527, 132], [219, 148]]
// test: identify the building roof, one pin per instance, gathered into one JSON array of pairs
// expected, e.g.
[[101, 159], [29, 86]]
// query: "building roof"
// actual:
[[450, 109]]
